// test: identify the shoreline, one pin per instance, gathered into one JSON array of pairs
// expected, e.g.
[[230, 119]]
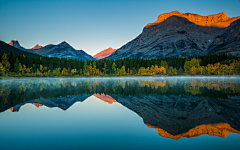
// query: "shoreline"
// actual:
[[146, 76]]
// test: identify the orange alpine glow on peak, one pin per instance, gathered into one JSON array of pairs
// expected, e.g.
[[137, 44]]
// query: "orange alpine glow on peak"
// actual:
[[220, 20], [104, 53], [105, 98], [219, 129], [37, 47]]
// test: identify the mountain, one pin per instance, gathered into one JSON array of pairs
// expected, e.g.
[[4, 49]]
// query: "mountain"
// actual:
[[16, 44], [184, 116], [62, 50], [4, 47], [104, 53], [37, 47], [182, 35]]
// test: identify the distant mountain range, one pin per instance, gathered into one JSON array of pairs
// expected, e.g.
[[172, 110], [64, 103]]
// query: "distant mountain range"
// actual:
[[182, 35], [62, 50], [105, 53]]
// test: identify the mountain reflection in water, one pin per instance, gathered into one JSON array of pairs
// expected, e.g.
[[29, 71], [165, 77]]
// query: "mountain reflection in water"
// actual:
[[175, 107]]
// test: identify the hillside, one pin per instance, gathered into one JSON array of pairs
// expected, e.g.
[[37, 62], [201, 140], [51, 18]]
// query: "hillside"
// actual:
[[4, 47]]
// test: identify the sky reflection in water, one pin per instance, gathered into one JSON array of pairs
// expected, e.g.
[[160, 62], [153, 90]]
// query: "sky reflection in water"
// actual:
[[72, 117]]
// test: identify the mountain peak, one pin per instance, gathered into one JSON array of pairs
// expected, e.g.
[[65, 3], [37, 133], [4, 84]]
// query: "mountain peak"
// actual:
[[63, 43], [37, 47], [220, 20], [14, 43], [105, 53]]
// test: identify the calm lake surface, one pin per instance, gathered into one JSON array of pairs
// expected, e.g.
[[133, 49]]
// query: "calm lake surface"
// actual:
[[120, 113]]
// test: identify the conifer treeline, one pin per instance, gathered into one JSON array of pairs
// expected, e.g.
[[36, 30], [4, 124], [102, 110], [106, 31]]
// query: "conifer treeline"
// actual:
[[20, 65]]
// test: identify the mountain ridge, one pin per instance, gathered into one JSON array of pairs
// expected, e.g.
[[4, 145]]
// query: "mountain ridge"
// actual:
[[220, 20], [178, 37]]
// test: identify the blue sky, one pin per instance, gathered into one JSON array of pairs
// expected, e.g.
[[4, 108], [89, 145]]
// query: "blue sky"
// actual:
[[93, 25]]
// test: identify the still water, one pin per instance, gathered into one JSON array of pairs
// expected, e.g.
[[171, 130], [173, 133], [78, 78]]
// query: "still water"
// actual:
[[120, 113]]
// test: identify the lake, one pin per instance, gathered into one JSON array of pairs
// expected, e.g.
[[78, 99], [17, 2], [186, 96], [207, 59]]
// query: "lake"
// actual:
[[120, 113]]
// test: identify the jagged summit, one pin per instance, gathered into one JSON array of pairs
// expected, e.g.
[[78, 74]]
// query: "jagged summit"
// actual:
[[220, 20]]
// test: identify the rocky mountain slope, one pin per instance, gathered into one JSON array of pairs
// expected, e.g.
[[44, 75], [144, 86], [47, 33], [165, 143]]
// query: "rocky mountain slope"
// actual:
[[228, 41], [182, 35], [104, 53]]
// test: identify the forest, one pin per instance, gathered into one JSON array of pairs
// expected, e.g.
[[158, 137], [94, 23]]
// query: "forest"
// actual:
[[17, 65]]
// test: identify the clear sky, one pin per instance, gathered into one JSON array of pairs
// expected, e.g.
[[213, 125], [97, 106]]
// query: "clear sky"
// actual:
[[93, 25]]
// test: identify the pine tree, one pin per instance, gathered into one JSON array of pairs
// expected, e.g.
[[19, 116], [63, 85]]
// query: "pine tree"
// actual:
[[6, 63], [114, 67], [17, 66], [105, 68]]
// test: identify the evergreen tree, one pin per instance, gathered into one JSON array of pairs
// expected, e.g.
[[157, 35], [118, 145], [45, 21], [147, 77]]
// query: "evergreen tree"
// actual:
[[105, 68], [6, 63], [17, 66], [114, 67]]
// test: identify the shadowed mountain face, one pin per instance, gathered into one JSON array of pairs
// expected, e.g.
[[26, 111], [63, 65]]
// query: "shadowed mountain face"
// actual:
[[175, 107], [228, 41], [183, 35]]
